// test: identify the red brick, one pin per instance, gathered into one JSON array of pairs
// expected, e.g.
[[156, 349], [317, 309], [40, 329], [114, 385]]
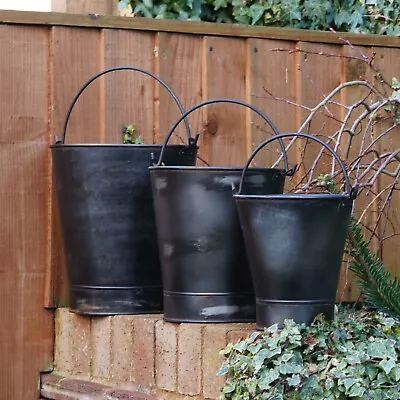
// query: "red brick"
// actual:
[[63, 341], [101, 347], [122, 348], [81, 348], [128, 395], [214, 340], [54, 394], [50, 379], [241, 332], [166, 355], [189, 359], [144, 349], [81, 386]]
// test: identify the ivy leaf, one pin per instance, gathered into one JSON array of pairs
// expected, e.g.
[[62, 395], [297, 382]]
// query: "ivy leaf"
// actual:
[[395, 96], [388, 108], [228, 389], [240, 346], [259, 358], [387, 365], [294, 380], [356, 19], [220, 4], [224, 369], [377, 349], [254, 348], [356, 391], [267, 378], [395, 84], [342, 18], [311, 389], [396, 373], [148, 3], [256, 12]]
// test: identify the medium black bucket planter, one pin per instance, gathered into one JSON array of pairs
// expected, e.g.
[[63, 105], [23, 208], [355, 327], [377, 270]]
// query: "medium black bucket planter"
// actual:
[[107, 219], [203, 258], [295, 244]]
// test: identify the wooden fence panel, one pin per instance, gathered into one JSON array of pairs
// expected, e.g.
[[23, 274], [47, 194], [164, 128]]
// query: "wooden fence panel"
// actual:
[[179, 63], [388, 62], [75, 57], [319, 72], [271, 75], [225, 76], [26, 332], [353, 69], [128, 95]]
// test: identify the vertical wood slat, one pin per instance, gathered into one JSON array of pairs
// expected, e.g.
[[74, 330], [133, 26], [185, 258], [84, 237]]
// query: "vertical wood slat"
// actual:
[[224, 75], [75, 57], [108, 7], [318, 74], [128, 95], [387, 60], [26, 332], [353, 69], [178, 63], [271, 73]]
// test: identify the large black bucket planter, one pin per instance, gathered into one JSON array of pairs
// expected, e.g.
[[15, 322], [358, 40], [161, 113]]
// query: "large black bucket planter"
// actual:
[[203, 258], [107, 220], [295, 244]]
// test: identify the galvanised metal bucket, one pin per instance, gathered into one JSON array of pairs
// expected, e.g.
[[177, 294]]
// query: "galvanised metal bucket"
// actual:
[[295, 245], [107, 219], [203, 259]]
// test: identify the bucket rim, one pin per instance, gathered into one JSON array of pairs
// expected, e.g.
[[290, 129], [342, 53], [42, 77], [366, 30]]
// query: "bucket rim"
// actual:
[[212, 168], [118, 145], [293, 196]]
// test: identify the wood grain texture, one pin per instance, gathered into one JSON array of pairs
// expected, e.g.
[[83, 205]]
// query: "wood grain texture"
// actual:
[[26, 333], [128, 95], [224, 75], [353, 69], [192, 27], [387, 60], [319, 72], [271, 75], [178, 63], [107, 7], [74, 58]]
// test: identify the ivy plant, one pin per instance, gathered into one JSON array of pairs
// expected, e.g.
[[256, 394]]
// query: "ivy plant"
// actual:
[[362, 16], [356, 356], [129, 135]]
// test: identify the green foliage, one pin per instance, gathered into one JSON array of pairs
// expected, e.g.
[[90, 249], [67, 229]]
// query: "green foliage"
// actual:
[[380, 289], [393, 105], [363, 16], [130, 136], [356, 356]]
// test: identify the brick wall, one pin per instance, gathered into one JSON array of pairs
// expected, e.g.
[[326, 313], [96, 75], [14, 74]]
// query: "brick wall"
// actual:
[[143, 353]]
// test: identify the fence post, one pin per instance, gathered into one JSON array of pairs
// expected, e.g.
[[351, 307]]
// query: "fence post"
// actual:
[[107, 7]]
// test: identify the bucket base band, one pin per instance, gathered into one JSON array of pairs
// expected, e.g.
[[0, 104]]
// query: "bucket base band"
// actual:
[[113, 301], [209, 307], [270, 312]]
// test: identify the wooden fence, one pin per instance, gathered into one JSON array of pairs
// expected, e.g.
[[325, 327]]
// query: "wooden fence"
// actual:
[[45, 58]]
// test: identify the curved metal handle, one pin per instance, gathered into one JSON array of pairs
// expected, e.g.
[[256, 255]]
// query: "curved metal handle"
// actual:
[[193, 141], [123, 68], [351, 191]]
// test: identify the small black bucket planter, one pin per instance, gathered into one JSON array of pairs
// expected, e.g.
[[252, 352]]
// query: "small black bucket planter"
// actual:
[[203, 258], [107, 219], [295, 244]]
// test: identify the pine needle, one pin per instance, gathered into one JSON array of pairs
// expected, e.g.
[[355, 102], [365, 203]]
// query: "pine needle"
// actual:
[[380, 289]]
